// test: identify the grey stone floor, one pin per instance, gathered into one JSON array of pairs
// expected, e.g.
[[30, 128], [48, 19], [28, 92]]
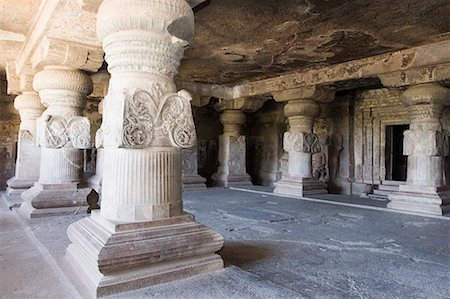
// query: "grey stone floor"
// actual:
[[275, 247]]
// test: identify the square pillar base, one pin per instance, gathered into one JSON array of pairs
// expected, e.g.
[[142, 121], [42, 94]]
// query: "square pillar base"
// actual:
[[16, 186], [427, 200], [47, 200], [193, 182], [299, 187], [112, 257]]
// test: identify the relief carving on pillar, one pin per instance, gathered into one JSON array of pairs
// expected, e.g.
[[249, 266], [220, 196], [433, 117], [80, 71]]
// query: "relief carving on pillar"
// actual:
[[293, 141], [428, 143], [56, 132], [146, 119], [189, 161], [236, 161], [301, 142], [26, 136]]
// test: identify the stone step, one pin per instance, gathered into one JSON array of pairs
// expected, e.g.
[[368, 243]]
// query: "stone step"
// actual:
[[381, 192], [386, 182], [388, 187], [378, 197]]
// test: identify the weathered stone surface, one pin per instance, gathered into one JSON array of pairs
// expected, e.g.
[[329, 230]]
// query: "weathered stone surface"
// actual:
[[118, 256]]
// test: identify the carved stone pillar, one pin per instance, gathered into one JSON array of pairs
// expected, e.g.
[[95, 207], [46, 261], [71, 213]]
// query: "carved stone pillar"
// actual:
[[301, 144], [62, 134], [232, 151], [426, 144], [189, 169], [28, 153], [270, 168], [142, 236], [95, 181]]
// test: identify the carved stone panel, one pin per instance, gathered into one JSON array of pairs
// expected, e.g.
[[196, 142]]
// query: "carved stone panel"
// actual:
[[236, 161]]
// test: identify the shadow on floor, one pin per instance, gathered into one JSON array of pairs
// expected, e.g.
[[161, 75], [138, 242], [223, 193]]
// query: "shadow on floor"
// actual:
[[243, 254]]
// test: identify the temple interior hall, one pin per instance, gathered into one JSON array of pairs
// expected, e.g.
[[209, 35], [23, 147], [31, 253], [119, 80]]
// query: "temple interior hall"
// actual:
[[224, 149]]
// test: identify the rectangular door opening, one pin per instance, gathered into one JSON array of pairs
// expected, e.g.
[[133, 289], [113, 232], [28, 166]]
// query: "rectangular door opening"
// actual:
[[396, 162]]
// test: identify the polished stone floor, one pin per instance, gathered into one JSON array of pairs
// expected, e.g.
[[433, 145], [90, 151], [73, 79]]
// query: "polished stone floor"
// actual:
[[275, 247]]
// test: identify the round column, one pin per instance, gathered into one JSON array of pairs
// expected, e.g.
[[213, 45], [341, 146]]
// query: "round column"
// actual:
[[145, 121], [62, 130], [425, 143], [299, 141]]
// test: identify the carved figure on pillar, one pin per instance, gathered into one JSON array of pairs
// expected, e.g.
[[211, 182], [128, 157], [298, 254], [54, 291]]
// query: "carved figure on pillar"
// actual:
[[426, 144], [146, 123]]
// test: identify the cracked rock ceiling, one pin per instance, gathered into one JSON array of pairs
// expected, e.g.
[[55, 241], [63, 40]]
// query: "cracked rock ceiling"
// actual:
[[246, 40]]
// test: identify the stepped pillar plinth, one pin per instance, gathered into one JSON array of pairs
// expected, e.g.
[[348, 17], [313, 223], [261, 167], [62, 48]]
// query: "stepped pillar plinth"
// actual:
[[30, 108], [426, 144], [141, 235], [62, 134]]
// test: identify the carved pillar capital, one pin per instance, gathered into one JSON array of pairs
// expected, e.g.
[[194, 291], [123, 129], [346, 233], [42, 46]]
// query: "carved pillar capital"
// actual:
[[232, 121], [425, 103], [301, 114]]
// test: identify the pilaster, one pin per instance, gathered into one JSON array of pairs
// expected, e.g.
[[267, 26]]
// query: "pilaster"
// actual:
[[142, 236], [426, 144]]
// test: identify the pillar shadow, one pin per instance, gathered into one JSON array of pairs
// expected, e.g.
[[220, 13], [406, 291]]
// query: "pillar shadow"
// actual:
[[243, 254]]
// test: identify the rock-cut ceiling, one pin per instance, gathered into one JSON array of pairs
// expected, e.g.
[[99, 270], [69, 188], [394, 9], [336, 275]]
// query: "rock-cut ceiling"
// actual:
[[245, 40]]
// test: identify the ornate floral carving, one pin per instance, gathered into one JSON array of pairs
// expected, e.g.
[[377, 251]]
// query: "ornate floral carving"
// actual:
[[145, 117], [138, 122], [178, 120], [311, 143], [79, 129], [55, 132], [293, 141], [301, 142]]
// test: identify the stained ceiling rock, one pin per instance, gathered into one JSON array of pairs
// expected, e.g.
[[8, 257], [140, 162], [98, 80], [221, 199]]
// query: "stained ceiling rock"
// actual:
[[245, 40]]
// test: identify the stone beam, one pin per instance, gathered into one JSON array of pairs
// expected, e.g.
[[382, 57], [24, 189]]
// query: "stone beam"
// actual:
[[408, 60], [319, 94], [63, 34], [426, 74], [244, 104]]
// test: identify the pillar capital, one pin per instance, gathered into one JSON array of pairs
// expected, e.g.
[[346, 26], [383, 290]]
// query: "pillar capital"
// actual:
[[145, 36], [425, 103], [250, 104], [317, 93], [427, 93]]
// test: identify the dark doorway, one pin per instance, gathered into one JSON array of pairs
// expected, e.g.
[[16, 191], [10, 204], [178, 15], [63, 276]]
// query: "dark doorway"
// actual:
[[396, 162]]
